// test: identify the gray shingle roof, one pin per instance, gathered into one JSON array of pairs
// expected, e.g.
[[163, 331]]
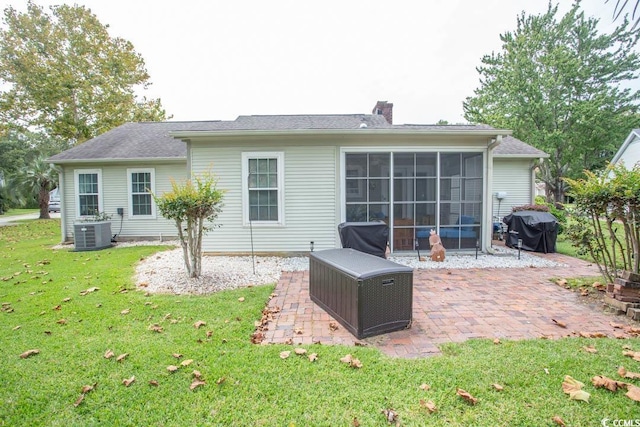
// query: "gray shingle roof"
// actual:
[[152, 140], [511, 146]]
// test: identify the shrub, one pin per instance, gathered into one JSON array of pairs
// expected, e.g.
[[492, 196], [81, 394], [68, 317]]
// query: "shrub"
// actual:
[[608, 210], [191, 205]]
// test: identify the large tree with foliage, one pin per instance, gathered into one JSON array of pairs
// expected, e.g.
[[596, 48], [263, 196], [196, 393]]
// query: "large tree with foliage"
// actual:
[[62, 73], [556, 83]]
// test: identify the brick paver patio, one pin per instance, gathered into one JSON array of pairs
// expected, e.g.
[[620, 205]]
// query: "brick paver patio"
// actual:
[[454, 305]]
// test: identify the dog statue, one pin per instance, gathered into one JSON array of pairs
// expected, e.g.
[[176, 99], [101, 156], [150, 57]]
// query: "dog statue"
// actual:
[[437, 250]]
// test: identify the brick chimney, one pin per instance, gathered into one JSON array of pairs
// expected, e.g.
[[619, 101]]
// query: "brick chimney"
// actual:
[[385, 109]]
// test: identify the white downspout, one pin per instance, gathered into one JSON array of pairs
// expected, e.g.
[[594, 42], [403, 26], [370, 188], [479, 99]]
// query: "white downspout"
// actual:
[[63, 218], [534, 166], [488, 208]]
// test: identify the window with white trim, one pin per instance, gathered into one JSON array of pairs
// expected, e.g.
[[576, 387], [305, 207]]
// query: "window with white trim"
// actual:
[[88, 183], [263, 187], [140, 188]]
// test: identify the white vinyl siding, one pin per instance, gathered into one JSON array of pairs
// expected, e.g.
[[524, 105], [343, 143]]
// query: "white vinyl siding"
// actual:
[[513, 176], [310, 199], [141, 186], [115, 194], [631, 155]]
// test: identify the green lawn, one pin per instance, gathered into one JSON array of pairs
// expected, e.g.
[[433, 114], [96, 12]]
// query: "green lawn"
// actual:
[[46, 306]]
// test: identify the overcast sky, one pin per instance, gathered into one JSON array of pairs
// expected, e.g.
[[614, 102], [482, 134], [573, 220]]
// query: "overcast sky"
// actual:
[[212, 60]]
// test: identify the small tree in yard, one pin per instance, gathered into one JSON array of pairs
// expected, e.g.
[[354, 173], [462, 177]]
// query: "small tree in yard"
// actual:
[[191, 205], [607, 217]]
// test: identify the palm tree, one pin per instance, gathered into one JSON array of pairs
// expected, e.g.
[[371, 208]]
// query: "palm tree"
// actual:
[[621, 6], [38, 179]]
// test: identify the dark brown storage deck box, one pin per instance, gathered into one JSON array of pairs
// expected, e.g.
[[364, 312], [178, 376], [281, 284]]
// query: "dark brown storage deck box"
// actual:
[[368, 295]]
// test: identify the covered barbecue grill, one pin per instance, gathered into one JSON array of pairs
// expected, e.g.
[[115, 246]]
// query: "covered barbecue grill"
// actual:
[[367, 237], [538, 230]]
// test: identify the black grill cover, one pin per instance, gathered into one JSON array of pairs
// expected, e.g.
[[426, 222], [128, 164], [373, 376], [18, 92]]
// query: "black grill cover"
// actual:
[[368, 237], [538, 230]]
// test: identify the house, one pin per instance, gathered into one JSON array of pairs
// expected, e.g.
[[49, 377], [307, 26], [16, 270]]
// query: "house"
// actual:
[[291, 179], [629, 152]]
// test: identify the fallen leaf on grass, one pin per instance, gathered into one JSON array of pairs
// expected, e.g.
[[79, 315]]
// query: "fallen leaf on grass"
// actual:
[[558, 421], [635, 355], [313, 357], [154, 383], [156, 328], [199, 323], [351, 361], [177, 355], [87, 388], [431, 407], [128, 381], [390, 415], [17, 327], [221, 380], [626, 374], [125, 311], [66, 299], [573, 388], [196, 383], [561, 282], [346, 359], [600, 381], [497, 386], [62, 322], [122, 357], [57, 307], [300, 351], [172, 368], [633, 392], [78, 401], [108, 354], [355, 422], [466, 396], [557, 323], [497, 341], [196, 374], [29, 353], [425, 387], [590, 349], [241, 299], [186, 362], [88, 291], [284, 354]]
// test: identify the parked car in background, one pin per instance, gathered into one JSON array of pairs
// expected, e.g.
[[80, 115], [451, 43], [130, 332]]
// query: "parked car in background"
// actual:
[[54, 201]]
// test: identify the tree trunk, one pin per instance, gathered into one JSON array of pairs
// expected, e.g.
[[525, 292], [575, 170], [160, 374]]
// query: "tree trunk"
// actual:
[[43, 203], [185, 247]]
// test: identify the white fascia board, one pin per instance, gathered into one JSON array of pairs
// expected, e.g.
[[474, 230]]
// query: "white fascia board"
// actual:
[[191, 135], [128, 160]]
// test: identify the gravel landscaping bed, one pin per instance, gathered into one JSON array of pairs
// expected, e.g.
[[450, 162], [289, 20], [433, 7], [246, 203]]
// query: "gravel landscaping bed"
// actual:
[[164, 272]]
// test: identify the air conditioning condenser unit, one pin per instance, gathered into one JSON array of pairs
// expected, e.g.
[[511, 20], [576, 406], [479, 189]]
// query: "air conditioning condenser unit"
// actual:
[[92, 236]]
